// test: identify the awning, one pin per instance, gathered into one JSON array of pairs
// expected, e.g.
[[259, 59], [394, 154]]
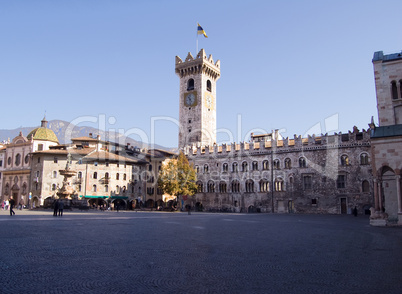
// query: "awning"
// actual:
[[119, 197], [90, 196]]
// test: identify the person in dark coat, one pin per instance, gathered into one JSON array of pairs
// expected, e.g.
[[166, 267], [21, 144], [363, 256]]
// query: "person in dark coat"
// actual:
[[12, 203], [61, 207], [355, 211], [56, 207]]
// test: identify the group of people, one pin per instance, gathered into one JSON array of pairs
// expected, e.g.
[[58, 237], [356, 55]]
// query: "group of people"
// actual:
[[58, 208]]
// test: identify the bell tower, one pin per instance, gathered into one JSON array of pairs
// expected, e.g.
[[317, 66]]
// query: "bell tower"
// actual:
[[197, 105]]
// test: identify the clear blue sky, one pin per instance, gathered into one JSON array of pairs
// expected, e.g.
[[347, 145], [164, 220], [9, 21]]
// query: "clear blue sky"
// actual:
[[286, 65]]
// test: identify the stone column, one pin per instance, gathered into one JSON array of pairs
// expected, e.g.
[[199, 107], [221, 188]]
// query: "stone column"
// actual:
[[398, 192], [376, 200], [380, 204]]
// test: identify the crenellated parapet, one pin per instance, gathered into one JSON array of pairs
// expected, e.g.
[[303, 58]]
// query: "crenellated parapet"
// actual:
[[324, 141], [200, 64]]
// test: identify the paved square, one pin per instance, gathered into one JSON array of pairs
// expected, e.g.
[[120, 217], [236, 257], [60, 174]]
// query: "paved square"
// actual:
[[155, 252]]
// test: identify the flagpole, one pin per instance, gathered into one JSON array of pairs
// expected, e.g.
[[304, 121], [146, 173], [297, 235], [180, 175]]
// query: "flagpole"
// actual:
[[196, 50]]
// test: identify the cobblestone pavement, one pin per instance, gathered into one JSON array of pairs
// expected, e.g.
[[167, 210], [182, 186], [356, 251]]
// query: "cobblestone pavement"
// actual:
[[155, 252]]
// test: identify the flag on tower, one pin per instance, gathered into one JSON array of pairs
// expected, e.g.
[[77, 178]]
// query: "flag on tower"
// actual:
[[200, 31]]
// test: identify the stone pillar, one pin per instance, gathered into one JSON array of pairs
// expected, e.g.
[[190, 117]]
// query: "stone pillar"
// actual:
[[398, 192], [380, 204], [376, 200]]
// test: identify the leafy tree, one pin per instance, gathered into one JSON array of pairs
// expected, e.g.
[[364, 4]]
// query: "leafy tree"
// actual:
[[178, 177]]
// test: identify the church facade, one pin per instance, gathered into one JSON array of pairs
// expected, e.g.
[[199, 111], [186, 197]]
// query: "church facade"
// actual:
[[318, 174]]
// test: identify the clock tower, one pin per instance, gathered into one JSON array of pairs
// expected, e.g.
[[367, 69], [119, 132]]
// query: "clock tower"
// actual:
[[197, 103]]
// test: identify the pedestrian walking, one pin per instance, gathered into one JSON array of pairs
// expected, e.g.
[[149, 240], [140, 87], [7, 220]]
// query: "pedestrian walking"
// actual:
[[61, 207], [12, 203], [355, 211], [55, 207]]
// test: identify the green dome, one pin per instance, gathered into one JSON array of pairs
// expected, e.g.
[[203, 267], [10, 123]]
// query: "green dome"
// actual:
[[43, 134]]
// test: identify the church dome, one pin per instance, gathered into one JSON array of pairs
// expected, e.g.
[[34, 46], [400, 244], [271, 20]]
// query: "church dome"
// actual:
[[43, 133]]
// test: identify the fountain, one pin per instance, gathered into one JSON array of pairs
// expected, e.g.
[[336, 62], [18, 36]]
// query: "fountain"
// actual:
[[66, 191]]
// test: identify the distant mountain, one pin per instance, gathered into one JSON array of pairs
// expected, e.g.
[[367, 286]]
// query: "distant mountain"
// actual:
[[65, 131]]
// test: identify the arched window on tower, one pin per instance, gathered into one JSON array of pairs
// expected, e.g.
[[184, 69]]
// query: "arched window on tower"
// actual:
[[394, 90], [400, 87], [209, 86], [190, 84]]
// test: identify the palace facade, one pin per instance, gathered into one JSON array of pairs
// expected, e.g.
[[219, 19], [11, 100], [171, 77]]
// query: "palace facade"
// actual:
[[318, 174]]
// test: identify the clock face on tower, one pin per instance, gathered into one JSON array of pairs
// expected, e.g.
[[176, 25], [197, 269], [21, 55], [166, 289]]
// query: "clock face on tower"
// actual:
[[209, 100], [190, 99]]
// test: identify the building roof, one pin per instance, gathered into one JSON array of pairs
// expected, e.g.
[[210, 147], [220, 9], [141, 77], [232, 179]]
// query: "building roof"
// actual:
[[109, 156], [379, 56], [386, 131], [43, 133]]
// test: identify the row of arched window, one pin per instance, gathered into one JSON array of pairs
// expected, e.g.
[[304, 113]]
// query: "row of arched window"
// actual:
[[249, 187], [95, 176], [190, 85], [264, 185], [302, 163]]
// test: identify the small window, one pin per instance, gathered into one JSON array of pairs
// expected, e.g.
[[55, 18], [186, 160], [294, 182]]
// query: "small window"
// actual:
[[265, 165], [40, 147], [211, 187], [206, 168], [302, 162], [365, 186], [18, 159], [209, 86], [307, 182], [255, 165], [106, 188], [117, 176], [54, 187], [264, 186], [190, 85], [94, 188], [124, 177], [222, 187], [276, 164], [400, 87], [344, 160], [95, 163], [235, 167], [288, 163], [314, 201], [38, 159], [341, 182], [235, 186], [79, 175], [26, 159], [55, 160], [249, 186], [54, 174], [200, 187], [394, 90], [278, 185], [244, 167], [364, 159], [225, 167], [95, 175]]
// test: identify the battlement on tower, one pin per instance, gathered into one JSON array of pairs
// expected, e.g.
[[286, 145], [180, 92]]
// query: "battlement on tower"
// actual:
[[200, 64], [324, 141]]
